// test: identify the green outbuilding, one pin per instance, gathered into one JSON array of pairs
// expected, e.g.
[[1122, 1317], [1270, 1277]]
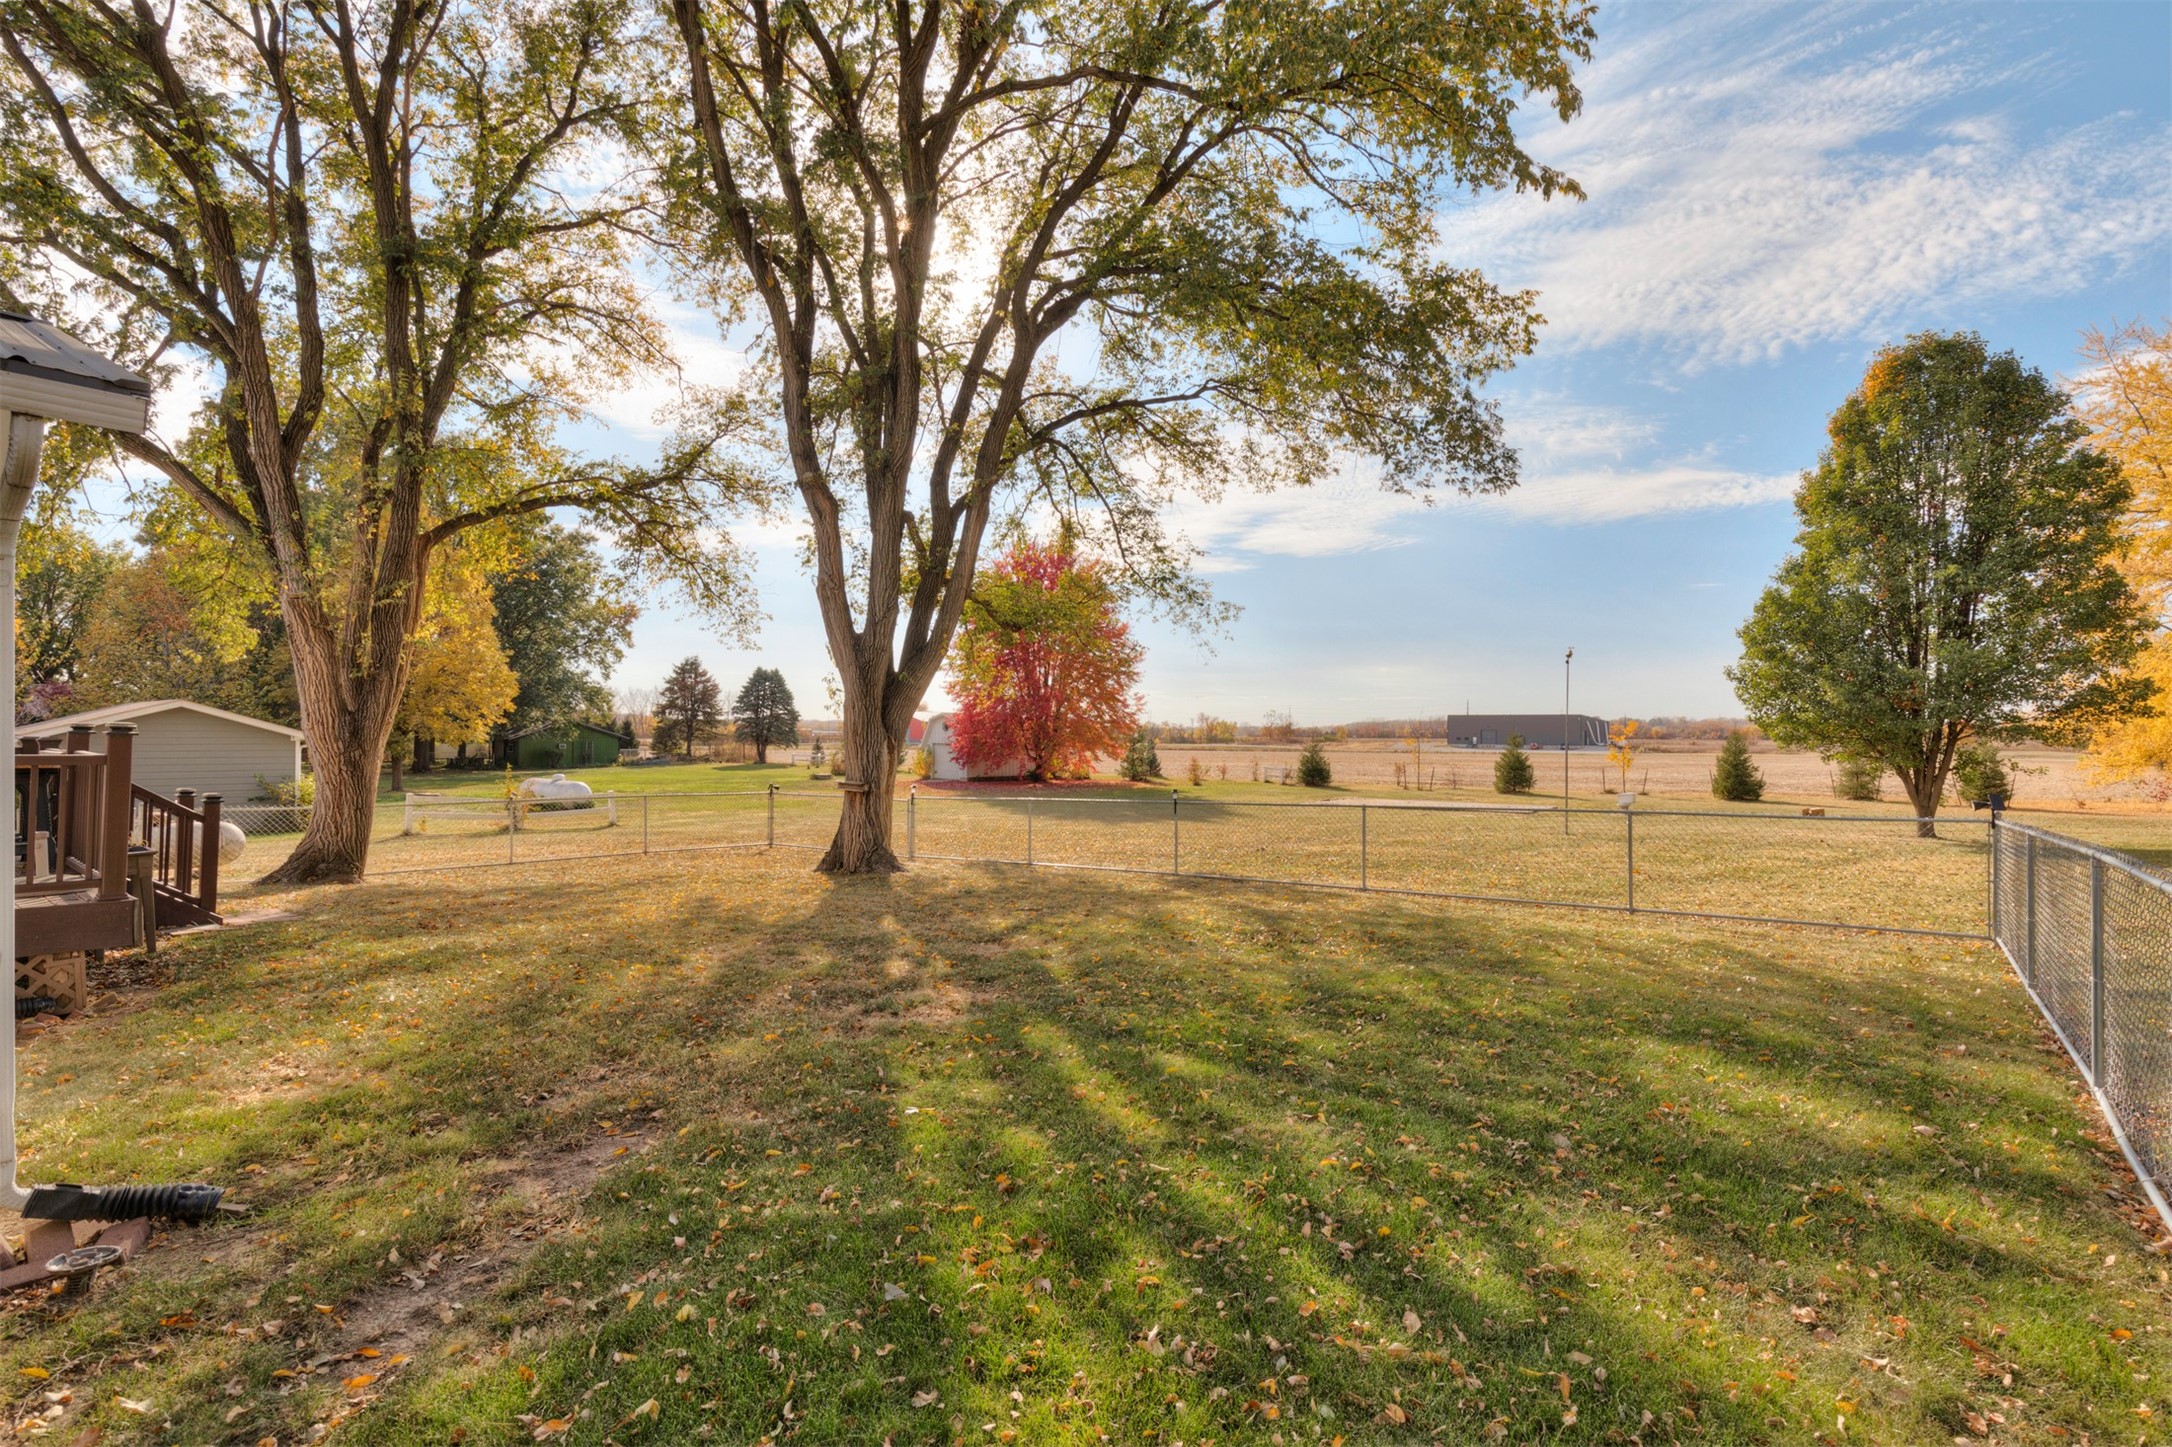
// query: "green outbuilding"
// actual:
[[561, 746]]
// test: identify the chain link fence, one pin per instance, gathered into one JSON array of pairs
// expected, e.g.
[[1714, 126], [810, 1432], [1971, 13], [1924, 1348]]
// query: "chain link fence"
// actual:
[[1843, 870], [1853, 871], [2087, 930], [2090, 933]]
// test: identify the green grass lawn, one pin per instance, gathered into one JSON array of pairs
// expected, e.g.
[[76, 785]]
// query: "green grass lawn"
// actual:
[[708, 1147]]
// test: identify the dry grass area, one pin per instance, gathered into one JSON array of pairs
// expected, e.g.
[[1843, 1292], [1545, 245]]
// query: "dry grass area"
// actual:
[[704, 1147], [2056, 780]]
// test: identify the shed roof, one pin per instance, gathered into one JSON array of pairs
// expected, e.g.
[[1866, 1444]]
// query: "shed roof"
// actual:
[[594, 728], [131, 712]]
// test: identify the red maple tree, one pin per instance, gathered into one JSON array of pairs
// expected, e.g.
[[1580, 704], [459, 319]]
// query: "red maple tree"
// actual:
[[1044, 669]]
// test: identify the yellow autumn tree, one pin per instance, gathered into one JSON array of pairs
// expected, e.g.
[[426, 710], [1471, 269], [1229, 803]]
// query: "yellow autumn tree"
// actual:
[[459, 683], [1621, 745], [2126, 398]]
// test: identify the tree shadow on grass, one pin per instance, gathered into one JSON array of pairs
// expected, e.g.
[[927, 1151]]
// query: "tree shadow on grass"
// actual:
[[1236, 1145], [1179, 1159]]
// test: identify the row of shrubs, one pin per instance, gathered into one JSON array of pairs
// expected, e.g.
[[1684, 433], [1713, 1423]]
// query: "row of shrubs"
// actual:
[[1978, 771], [1142, 761]]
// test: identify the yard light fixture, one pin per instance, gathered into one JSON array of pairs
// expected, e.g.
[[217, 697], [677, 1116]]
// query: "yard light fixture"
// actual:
[[48, 376]]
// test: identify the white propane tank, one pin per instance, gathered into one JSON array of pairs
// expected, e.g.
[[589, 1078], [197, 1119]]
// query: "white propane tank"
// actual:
[[557, 786]]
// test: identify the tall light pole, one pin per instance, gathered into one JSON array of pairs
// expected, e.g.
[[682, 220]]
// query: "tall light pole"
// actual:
[[1565, 660]]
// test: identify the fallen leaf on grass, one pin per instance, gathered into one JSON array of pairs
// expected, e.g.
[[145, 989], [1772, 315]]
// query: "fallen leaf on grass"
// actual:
[[926, 1399]]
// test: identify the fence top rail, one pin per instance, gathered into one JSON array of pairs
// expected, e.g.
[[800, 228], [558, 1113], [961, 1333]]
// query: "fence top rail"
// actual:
[[1161, 800], [499, 801], [2109, 858]]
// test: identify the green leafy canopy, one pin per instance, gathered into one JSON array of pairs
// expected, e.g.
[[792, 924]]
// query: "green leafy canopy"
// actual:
[[1953, 576]]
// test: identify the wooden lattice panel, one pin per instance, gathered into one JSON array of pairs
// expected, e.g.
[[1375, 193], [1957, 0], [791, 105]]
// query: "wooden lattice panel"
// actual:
[[63, 978]]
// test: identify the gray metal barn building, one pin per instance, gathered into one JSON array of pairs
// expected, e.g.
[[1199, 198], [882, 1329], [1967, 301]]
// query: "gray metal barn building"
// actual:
[[1538, 730]]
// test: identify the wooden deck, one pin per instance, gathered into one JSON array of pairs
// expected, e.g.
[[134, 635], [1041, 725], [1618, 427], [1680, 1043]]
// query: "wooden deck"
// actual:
[[101, 862]]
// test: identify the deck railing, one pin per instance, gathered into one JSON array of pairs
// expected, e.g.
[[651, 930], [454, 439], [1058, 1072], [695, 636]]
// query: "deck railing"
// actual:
[[182, 834], [72, 814]]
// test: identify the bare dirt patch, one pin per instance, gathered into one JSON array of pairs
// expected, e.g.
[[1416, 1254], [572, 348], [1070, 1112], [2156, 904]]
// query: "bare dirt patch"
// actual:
[[422, 1299]]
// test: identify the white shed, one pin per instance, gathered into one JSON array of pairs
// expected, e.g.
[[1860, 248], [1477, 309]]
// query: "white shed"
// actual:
[[948, 766], [183, 745]]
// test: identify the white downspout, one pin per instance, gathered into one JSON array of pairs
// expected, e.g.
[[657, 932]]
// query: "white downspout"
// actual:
[[21, 440]]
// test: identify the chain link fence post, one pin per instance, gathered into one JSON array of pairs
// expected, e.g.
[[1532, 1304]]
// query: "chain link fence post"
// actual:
[[644, 823], [1629, 837], [1364, 880], [771, 835], [912, 812], [512, 827], [2029, 904], [1992, 931], [2096, 972], [1029, 829], [1176, 838]]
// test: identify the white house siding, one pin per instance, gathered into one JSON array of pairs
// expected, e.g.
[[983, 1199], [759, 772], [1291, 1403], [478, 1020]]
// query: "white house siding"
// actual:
[[182, 749]]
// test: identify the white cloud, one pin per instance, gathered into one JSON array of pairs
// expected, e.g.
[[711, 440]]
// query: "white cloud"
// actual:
[[1610, 494], [1756, 186], [1584, 462], [1350, 514]]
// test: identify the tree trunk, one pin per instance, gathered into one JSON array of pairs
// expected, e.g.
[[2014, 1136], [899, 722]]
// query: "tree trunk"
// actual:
[[347, 717], [335, 846], [397, 761], [1923, 790], [761, 751], [425, 753], [862, 845]]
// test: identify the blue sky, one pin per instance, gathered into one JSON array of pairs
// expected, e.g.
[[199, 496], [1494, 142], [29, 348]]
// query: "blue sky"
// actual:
[[1774, 191]]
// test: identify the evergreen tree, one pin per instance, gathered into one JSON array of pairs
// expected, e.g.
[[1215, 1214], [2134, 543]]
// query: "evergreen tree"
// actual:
[[1734, 777], [1312, 769], [1141, 760], [1862, 780], [1979, 773], [764, 713], [688, 708], [1512, 771]]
